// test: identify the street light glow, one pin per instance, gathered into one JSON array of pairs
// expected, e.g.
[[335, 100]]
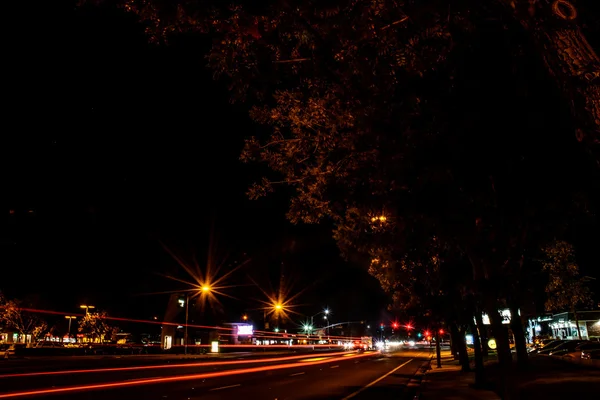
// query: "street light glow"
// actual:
[[206, 288], [278, 306]]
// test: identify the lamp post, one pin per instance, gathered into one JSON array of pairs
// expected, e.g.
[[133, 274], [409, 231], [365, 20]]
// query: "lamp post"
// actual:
[[87, 308], [204, 290], [70, 317], [325, 311]]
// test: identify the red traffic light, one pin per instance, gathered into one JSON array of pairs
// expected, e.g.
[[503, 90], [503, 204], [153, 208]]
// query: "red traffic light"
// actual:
[[409, 326], [395, 325], [441, 331], [427, 333]]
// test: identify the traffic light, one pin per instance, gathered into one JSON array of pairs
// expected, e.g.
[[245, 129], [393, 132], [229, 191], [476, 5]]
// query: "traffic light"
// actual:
[[395, 325], [419, 334], [441, 331], [427, 333], [409, 327]]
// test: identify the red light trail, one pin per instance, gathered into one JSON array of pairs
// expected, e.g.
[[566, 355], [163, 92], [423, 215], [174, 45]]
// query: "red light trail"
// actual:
[[162, 366], [137, 382]]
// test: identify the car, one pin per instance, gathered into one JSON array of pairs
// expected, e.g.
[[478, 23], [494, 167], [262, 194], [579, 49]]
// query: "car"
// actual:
[[565, 347], [593, 354], [577, 353], [549, 346]]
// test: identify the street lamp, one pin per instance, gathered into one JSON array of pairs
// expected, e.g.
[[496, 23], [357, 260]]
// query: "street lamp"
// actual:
[[70, 317], [204, 289], [87, 308]]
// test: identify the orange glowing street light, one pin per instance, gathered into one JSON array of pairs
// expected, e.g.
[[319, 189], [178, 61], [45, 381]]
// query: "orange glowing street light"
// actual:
[[87, 308], [205, 288]]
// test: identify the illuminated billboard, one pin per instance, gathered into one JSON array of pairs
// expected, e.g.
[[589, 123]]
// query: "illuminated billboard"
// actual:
[[245, 330]]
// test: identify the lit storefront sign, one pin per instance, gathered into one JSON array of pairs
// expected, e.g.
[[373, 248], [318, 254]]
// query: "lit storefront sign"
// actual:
[[245, 330], [505, 314]]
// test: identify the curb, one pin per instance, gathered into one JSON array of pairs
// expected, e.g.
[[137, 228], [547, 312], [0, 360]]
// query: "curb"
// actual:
[[418, 379]]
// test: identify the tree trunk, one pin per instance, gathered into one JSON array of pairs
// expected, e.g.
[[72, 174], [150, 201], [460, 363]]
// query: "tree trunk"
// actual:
[[438, 349], [519, 333], [479, 369], [461, 346], [503, 348], [501, 336], [569, 58], [454, 341], [482, 332]]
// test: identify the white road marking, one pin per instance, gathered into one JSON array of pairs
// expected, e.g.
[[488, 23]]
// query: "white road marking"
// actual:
[[298, 373], [225, 387], [376, 380], [335, 366]]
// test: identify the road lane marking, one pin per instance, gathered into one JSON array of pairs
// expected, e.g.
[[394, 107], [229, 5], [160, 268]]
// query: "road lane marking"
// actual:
[[335, 366], [314, 359], [298, 373], [376, 380], [225, 387]]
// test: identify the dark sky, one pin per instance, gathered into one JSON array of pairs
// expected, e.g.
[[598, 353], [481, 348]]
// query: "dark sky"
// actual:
[[116, 144]]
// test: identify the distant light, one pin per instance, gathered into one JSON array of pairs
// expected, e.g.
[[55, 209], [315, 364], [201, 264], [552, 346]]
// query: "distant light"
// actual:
[[206, 288], [278, 306], [276, 330], [326, 311], [214, 346]]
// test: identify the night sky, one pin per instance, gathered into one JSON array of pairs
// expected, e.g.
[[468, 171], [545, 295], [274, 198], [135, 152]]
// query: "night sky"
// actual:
[[117, 145], [112, 145]]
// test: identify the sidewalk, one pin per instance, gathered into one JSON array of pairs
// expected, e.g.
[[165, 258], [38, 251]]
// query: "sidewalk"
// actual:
[[450, 383]]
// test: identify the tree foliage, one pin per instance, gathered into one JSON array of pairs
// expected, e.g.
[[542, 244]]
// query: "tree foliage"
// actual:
[[95, 325], [566, 288], [14, 316]]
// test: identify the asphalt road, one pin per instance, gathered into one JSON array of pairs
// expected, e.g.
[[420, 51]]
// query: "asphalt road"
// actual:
[[314, 376]]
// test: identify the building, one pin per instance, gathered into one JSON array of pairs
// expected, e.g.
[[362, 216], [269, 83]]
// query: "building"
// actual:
[[563, 325]]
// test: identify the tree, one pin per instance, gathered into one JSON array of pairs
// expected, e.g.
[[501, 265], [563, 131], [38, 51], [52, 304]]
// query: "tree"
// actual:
[[551, 26], [566, 288], [94, 325], [14, 316], [389, 119]]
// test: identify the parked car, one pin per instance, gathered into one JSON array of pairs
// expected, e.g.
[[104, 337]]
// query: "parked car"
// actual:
[[548, 346], [593, 354], [566, 347], [581, 349]]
